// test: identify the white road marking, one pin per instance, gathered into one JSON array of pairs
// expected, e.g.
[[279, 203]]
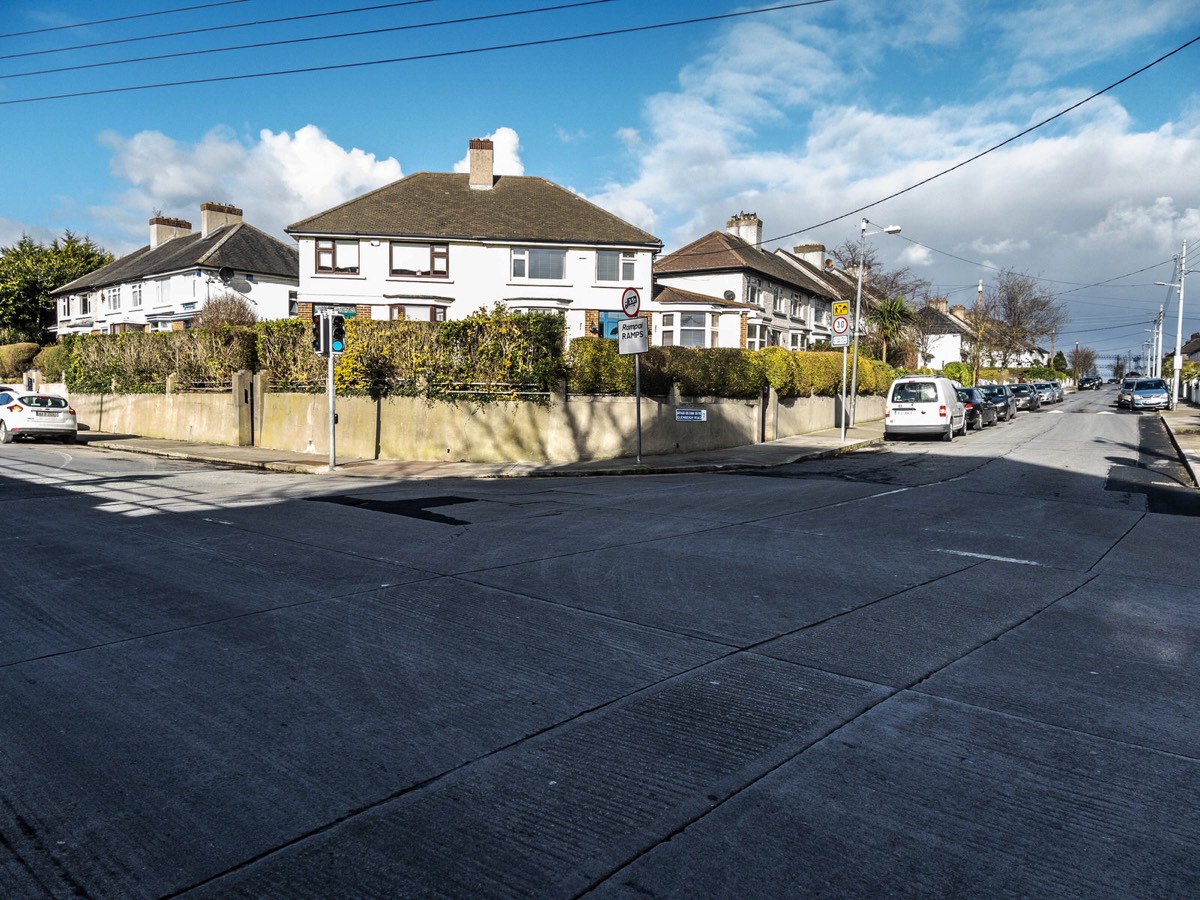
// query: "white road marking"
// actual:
[[1008, 559]]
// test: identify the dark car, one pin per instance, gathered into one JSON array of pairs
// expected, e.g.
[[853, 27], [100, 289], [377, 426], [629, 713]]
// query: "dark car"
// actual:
[[1028, 397], [1090, 383], [980, 410], [1003, 398]]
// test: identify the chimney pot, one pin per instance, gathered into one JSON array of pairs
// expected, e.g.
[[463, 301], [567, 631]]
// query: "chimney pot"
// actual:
[[747, 226], [218, 215], [164, 228]]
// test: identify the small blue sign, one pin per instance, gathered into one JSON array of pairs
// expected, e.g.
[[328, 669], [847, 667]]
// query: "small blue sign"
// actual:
[[691, 415]]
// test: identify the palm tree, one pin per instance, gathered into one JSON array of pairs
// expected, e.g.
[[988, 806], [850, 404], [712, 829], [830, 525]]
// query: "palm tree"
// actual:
[[890, 318]]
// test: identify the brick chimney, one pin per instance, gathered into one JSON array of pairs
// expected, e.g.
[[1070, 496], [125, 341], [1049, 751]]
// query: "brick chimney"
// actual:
[[813, 254], [218, 215], [938, 303], [481, 158], [747, 226], [959, 311], [163, 229]]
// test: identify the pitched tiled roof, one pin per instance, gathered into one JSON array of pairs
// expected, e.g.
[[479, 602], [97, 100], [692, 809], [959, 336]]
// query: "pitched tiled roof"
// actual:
[[675, 296], [241, 247], [933, 321], [722, 251], [441, 205]]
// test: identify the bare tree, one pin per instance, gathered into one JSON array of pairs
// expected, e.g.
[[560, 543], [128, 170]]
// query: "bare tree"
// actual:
[[1082, 361], [1023, 312], [877, 281], [226, 308]]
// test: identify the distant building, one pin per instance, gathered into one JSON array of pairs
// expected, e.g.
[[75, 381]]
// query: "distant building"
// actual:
[[164, 285]]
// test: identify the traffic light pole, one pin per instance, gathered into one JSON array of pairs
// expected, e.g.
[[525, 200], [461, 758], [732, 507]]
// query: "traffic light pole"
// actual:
[[331, 392]]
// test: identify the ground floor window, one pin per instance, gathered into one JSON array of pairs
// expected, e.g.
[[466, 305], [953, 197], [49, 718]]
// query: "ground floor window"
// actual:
[[756, 337]]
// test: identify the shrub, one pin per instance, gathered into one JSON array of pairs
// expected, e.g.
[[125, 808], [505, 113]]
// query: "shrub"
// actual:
[[958, 371], [16, 359], [51, 361], [596, 367]]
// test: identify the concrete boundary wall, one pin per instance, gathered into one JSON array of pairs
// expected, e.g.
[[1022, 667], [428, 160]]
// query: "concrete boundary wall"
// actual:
[[571, 428]]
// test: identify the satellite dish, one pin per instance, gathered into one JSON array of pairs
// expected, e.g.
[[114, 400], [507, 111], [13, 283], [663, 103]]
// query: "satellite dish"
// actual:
[[225, 274], [730, 295]]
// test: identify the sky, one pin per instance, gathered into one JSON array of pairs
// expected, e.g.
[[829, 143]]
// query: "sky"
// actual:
[[1045, 138]]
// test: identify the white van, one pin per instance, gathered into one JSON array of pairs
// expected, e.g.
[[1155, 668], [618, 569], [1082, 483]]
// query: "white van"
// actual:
[[923, 404]]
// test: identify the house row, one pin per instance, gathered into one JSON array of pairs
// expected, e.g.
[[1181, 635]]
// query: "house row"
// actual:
[[436, 246]]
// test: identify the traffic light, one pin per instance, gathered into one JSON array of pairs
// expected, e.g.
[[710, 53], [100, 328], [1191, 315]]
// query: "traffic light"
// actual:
[[337, 334], [320, 335]]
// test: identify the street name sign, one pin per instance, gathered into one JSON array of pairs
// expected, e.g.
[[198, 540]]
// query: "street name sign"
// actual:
[[840, 340], [691, 415]]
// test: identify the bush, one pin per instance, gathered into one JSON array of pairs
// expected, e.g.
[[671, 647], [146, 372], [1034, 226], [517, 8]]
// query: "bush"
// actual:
[[595, 367], [51, 361], [16, 359], [960, 372]]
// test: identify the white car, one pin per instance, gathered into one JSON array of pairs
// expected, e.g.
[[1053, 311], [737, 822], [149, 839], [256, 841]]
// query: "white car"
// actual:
[[923, 404], [30, 414]]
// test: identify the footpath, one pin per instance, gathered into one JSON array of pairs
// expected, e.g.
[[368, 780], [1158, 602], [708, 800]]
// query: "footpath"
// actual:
[[1182, 423]]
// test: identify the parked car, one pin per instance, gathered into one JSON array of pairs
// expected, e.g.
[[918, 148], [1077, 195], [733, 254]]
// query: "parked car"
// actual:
[[923, 404], [1028, 397], [1004, 399], [980, 411], [1059, 393], [1150, 393], [1090, 383], [1124, 392], [1045, 392], [29, 414]]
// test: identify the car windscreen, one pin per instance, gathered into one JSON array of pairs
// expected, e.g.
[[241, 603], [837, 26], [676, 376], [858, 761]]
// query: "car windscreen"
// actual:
[[1151, 384]]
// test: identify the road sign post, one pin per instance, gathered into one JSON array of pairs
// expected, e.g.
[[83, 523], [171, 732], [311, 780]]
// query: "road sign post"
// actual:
[[633, 336]]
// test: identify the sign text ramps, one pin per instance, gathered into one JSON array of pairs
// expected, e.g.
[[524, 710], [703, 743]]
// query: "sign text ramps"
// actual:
[[633, 336]]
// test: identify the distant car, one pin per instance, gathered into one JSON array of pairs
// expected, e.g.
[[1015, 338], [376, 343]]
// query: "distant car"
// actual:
[[33, 415], [1003, 398], [1028, 397], [1125, 392], [1150, 393], [1059, 393], [1090, 383], [1045, 392], [979, 409]]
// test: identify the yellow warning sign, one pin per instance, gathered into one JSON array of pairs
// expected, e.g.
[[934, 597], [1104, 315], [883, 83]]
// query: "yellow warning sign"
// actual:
[[841, 308]]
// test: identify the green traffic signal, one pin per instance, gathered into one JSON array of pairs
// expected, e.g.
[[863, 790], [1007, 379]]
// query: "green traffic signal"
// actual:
[[337, 342]]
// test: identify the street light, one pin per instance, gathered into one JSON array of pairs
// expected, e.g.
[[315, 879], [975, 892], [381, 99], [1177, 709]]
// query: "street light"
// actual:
[[1183, 270], [862, 249]]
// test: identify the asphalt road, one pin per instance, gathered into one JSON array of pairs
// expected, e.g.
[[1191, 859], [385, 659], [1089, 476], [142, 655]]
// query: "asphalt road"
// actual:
[[919, 670]]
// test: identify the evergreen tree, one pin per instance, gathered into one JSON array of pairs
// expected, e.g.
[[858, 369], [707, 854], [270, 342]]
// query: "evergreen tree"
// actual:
[[30, 270]]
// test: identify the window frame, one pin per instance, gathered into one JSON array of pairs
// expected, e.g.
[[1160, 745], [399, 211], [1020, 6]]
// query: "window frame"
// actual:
[[332, 251], [626, 265], [438, 252], [525, 257]]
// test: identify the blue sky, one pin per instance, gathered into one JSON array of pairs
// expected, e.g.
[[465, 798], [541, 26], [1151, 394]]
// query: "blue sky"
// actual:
[[803, 115]]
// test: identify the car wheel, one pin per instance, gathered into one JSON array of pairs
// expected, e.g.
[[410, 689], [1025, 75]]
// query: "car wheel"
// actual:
[[979, 422], [5, 435], [69, 438], [948, 434]]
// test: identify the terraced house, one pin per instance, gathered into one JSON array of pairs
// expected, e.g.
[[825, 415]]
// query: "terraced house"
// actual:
[[435, 246]]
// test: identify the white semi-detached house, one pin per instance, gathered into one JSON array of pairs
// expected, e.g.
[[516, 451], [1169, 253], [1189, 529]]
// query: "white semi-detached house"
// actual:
[[164, 285], [435, 246], [724, 290]]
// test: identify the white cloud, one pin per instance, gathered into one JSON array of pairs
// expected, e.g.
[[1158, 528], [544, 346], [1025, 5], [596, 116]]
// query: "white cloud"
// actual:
[[276, 179], [506, 149]]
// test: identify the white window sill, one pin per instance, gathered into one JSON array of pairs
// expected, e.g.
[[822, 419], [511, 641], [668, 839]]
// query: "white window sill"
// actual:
[[420, 279], [527, 282]]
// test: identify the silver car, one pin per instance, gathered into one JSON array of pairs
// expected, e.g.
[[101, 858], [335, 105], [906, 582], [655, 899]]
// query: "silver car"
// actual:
[[1150, 393], [30, 414]]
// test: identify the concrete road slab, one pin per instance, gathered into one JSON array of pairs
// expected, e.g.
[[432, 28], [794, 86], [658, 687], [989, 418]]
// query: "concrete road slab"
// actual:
[[1117, 658], [709, 586], [176, 757], [908, 636], [557, 815], [921, 797], [1154, 549]]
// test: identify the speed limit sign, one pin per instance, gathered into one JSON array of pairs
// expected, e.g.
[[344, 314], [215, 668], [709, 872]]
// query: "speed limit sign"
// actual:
[[840, 324]]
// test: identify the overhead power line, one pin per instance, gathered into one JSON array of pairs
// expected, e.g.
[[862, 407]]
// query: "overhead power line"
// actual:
[[158, 12], [191, 32], [541, 42], [313, 38]]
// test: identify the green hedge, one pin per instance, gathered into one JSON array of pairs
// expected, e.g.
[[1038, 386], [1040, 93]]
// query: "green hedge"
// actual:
[[15, 359]]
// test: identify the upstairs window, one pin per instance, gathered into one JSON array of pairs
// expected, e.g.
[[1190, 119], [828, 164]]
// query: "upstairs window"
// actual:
[[420, 260], [135, 291], [337, 256], [112, 298], [615, 265], [754, 291], [538, 263]]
